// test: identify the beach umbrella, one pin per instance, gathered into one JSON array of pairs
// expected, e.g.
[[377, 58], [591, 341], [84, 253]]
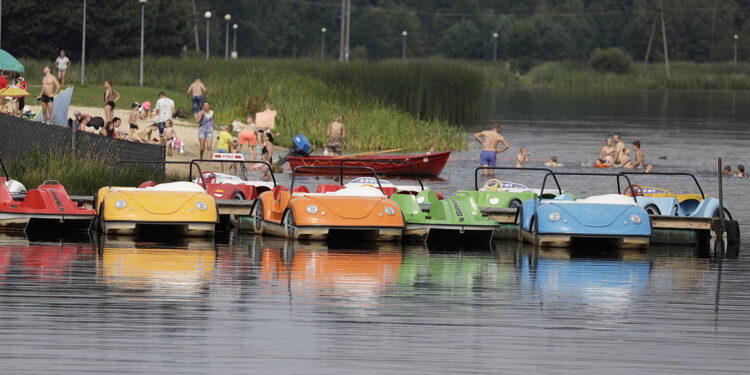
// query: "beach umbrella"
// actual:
[[13, 92], [9, 63]]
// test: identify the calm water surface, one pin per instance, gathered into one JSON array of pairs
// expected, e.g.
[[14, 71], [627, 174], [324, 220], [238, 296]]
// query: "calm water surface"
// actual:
[[250, 304]]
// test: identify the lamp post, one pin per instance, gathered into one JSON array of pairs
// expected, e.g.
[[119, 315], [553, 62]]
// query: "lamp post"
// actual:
[[143, 35], [208, 19], [494, 46], [234, 46], [322, 42], [227, 18], [735, 49], [83, 47], [403, 44]]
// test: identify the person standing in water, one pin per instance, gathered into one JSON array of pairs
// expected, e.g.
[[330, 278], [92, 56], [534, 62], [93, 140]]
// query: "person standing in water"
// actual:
[[336, 133], [522, 157], [205, 120], [111, 96], [50, 88], [489, 140], [639, 163], [197, 91]]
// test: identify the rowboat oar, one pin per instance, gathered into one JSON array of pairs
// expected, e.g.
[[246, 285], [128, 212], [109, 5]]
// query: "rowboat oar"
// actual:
[[368, 153]]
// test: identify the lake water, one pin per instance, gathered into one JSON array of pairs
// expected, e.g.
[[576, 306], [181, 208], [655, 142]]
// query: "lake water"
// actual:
[[248, 304]]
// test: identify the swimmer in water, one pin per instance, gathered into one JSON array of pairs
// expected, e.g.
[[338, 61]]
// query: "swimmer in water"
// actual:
[[522, 157]]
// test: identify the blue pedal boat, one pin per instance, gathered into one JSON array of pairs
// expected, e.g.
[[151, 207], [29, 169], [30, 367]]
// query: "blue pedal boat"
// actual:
[[658, 201], [614, 219]]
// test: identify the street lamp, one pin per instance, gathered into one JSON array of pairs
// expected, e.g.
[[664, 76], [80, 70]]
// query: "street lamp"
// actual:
[[234, 46], [494, 48], [83, 47], [322, 41], [227, 17], [208, 18], [143, 35], [735, 49], [403, 44]]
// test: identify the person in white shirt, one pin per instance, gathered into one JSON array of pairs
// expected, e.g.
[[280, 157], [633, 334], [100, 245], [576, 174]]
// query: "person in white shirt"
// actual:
[[63, 63], [164, 111]]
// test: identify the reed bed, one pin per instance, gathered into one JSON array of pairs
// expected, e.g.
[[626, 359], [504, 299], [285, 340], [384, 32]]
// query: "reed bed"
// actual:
[[80, 175], [386, 105], [684, 76]]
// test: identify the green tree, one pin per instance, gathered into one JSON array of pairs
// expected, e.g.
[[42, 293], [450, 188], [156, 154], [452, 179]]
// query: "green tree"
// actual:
[[462, 40]]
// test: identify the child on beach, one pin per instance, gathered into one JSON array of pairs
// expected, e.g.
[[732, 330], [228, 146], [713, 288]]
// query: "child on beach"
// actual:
[[169, 137], [224, 139], [522, 157], [145, 135], [234, 148]]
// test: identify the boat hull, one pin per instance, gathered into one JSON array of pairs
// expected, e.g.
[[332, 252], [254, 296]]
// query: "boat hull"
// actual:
[[45, 222], [425, 165], [463, 233]]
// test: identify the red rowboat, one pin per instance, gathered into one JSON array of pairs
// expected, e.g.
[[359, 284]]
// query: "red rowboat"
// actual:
[[424, 164]]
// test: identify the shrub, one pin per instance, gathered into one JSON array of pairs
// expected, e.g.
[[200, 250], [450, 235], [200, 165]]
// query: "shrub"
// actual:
[[612, 60]]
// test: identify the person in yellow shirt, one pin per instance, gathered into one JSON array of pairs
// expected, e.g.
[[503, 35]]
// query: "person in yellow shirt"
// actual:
[[225, 138]]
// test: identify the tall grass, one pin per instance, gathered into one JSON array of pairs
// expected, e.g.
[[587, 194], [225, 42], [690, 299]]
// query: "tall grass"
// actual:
[[80, 175], [684, 76], [386, 105]]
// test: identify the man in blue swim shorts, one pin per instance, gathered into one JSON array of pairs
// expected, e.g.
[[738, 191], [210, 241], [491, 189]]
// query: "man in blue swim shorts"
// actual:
[[489, 140]]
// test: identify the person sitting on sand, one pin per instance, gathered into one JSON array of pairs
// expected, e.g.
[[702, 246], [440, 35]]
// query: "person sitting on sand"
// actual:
[[740, 171], [116, 122], [146, 134], [607, 152], [552, 163], [522, 157], [82, 121], [727, 170], [638, 154]]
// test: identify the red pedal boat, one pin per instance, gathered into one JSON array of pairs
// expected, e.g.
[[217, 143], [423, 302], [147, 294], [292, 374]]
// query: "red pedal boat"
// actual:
[[46, 208], [429, 165]]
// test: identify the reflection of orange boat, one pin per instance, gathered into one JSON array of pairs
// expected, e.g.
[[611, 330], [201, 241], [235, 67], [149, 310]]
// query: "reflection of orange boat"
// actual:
[[164, 270], [344, 272]]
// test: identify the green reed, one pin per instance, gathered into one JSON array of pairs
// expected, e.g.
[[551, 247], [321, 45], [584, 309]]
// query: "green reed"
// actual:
[[387, 105], [80, 175]]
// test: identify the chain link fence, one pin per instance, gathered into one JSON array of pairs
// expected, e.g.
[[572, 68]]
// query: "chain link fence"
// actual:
[[20, 138]]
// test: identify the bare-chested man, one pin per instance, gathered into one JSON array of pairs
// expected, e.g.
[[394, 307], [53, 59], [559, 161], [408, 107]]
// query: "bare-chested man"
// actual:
[[489, 140], [197, 91], [50, 88], [336, 134], [619, 147]]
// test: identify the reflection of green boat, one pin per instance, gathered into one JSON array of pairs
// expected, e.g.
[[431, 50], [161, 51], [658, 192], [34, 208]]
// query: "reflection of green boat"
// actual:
[[453, 270], [457, 218]]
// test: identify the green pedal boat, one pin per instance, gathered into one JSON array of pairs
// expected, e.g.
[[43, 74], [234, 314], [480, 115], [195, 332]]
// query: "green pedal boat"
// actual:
[[454, 219]]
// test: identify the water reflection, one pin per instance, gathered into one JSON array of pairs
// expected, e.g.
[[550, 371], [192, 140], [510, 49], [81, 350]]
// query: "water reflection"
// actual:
[[317, 269]]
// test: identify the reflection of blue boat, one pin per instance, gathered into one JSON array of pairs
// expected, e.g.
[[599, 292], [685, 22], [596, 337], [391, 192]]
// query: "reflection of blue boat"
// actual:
[[559, 221], [604, 283]]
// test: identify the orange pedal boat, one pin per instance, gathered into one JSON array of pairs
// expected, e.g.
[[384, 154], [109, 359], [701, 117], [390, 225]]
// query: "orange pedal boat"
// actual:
[[331, 211]]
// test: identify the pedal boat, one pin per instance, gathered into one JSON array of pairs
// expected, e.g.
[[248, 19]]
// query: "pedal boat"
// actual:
[[360, 212], [613, 219], [47, 208]]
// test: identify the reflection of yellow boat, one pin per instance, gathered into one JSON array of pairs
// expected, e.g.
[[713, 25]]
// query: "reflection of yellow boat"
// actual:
[[345, 272], [161, 270]]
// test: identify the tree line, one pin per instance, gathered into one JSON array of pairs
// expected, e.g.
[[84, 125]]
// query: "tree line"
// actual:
[[696, 30]]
